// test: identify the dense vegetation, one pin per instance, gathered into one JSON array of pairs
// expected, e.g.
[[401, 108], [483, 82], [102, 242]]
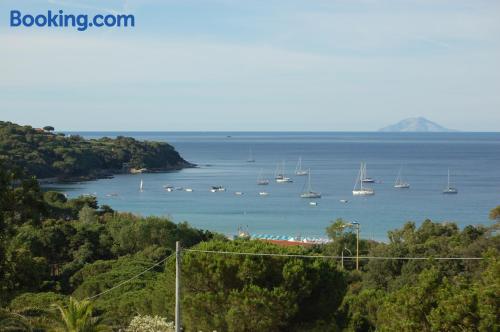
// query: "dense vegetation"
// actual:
[[54, 250], [46, 154]]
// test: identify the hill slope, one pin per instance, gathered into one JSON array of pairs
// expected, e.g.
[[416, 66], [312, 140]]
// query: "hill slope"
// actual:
[[46, 154], [419, 124]]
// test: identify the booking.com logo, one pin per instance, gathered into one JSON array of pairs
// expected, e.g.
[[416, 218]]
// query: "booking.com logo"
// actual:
[[61, 20]]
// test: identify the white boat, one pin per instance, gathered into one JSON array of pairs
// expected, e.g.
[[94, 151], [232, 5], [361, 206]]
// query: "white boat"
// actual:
[[238, 193], [169, 188], [263, 193], [141, 186], [400, 184], [261, 181], [188, 190], [359, 189], [366, 178], [298, 169], [250, 156], [344, 201], [215, 189], [309, 193], [313, 203], [280, 174], [449, 189]]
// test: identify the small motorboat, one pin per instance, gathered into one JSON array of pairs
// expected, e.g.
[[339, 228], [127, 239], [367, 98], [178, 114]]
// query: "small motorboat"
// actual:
[[215, 189], [263, 193]]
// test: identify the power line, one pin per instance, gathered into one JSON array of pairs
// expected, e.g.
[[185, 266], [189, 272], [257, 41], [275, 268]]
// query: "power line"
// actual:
[[130, 279], [276, 255], [329, 257]]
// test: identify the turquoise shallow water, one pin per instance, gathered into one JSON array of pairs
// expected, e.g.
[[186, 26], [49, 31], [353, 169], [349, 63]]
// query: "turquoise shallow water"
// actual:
[[473, 158]]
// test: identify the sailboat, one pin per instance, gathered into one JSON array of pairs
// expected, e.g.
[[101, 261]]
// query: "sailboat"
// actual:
[[261, 181], [449, 189], [280, 174], [366, 178], [400, 184], [309, 193], [141, 186], [359, 189], [250, 156], [298, 170]]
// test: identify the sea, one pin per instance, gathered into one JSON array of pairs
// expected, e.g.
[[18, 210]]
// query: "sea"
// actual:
[[473, 160]]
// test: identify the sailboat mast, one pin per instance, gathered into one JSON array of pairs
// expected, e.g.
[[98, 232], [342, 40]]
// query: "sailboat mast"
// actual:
[[309, 180], [362, 175], [398, 179]]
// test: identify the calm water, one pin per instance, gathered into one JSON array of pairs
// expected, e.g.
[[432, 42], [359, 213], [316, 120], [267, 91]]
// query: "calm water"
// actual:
[[473, 158]]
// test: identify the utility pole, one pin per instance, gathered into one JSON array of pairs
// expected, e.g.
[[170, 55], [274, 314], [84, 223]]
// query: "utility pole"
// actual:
[[342, 264], [351, 224], [357, 245], [177, 286]]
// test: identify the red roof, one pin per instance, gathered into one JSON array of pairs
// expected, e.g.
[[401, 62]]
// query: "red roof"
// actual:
[[285, 243]]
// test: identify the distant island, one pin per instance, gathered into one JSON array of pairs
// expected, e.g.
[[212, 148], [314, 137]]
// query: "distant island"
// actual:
[[418, 124], [43, 153]]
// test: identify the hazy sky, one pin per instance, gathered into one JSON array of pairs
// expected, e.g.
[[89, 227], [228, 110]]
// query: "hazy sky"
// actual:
[[255, 65]]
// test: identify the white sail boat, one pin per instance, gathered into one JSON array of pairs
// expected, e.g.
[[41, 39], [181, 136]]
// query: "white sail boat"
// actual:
[[298, 170], [309, 193], [400, 184], [280, 174], [141, 186], [359, 189], [261, 181], [366, 178], [250, 156], [449, 189]]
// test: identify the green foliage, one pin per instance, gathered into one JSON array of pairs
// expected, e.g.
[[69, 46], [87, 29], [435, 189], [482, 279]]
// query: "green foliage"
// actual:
[[252, 293], [77, 317], [46, 239], [495, 214], [52, 247], [122, 303], [87, 215], [45, 155], [36, 300], [13, 321]]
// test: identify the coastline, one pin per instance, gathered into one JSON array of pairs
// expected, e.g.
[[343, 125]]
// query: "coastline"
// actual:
[[109, 174]]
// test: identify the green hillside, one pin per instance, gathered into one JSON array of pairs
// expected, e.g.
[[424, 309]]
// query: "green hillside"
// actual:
[[46, 154]]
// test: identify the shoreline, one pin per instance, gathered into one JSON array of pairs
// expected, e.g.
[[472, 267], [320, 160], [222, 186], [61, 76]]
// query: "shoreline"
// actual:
[[109, 174]]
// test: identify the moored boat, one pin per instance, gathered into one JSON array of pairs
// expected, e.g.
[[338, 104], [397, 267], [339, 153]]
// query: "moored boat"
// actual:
[[309, 193], [449, 189], [215, 189], [400, 184], [298, 169], [359, 189]]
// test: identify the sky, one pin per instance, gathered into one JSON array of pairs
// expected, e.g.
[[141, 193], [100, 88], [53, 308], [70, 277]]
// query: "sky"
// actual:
[[230, 65]]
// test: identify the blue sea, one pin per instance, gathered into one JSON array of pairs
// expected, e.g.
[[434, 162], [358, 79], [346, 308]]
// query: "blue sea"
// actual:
[[334, 159]]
